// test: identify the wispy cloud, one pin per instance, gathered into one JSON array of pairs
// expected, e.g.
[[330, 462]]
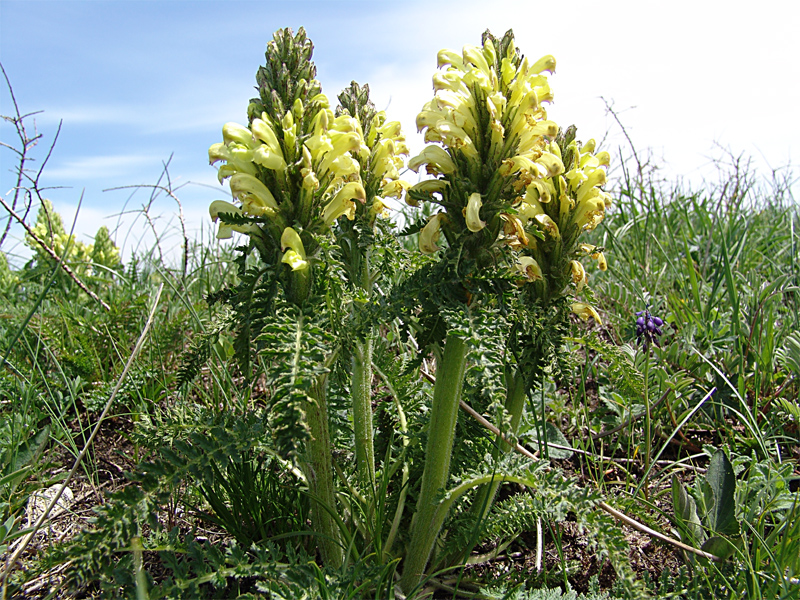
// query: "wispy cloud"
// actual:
[[101, 167]]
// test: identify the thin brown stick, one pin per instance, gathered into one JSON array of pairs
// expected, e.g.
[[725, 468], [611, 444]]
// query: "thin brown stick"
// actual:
[[53, 255], [43, 517]]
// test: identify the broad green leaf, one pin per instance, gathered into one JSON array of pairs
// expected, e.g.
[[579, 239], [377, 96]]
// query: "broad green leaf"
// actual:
[[686, 511], [721, 517], [718, 546]]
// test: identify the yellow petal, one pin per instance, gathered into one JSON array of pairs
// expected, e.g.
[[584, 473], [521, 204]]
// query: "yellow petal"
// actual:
[[430, 234], [474, 223], [585, 312], [530, 268]]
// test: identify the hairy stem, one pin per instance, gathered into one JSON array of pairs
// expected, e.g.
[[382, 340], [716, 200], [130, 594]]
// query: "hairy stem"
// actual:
[[320, 478], [361, 388], [441, 434], [362, 412]]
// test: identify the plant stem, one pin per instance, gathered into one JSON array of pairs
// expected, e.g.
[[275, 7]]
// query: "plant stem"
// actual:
[[361, 387], [441, 435], [647, 424], [362, 412], [320, 478]]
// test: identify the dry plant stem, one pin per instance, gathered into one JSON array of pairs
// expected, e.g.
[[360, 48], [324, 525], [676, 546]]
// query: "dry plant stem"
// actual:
[[171, 193], [54, 256], [27, 143], [43, 517], [612, 511]]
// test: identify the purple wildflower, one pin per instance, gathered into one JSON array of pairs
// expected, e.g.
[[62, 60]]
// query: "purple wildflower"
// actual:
[[648, 328]]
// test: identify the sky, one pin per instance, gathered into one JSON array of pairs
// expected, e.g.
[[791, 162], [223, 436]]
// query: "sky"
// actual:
[[136, 85]]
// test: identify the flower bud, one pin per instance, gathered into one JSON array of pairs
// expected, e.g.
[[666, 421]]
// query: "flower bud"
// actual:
[[295, 253]]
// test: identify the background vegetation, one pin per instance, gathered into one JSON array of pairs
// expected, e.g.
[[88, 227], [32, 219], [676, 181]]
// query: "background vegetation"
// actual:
[[183, 493]]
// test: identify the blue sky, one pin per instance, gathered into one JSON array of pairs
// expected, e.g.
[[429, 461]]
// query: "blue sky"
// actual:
[[138, 82]]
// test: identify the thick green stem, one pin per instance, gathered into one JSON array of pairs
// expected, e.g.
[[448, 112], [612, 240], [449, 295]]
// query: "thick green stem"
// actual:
[[361, 387], [320, 477], [441, 434], [515, 403], [362, 411]]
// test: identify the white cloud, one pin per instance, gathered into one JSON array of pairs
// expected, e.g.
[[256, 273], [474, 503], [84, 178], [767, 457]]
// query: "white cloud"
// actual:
[[97, 167]]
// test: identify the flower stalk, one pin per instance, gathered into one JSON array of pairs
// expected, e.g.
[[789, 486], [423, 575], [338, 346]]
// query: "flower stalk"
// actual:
[[429, 515]]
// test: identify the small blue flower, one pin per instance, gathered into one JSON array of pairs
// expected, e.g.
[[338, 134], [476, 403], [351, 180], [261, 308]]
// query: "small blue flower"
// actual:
[[648, 328]]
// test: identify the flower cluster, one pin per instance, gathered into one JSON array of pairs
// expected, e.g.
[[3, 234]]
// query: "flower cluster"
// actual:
[[505, 172], [328, 161], [488, 115], [648, 328]]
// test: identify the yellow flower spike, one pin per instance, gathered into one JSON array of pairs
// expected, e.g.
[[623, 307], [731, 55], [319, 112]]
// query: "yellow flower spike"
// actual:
[[538, 190], [589, 213], [548, 225], [345, 166], [529, 267], [435, 158], [269, 158], [585, 312], [474, 56], [578, 274], [233, 132], [342, 143], [546, 63], [346, 124], [589, 249], [379, 209], [451, 81], [430, 234], [298, 110], [472, 213], [289, 130], [529, 209], [342, 203], [218, 152], [295, 253], [516, 164]]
